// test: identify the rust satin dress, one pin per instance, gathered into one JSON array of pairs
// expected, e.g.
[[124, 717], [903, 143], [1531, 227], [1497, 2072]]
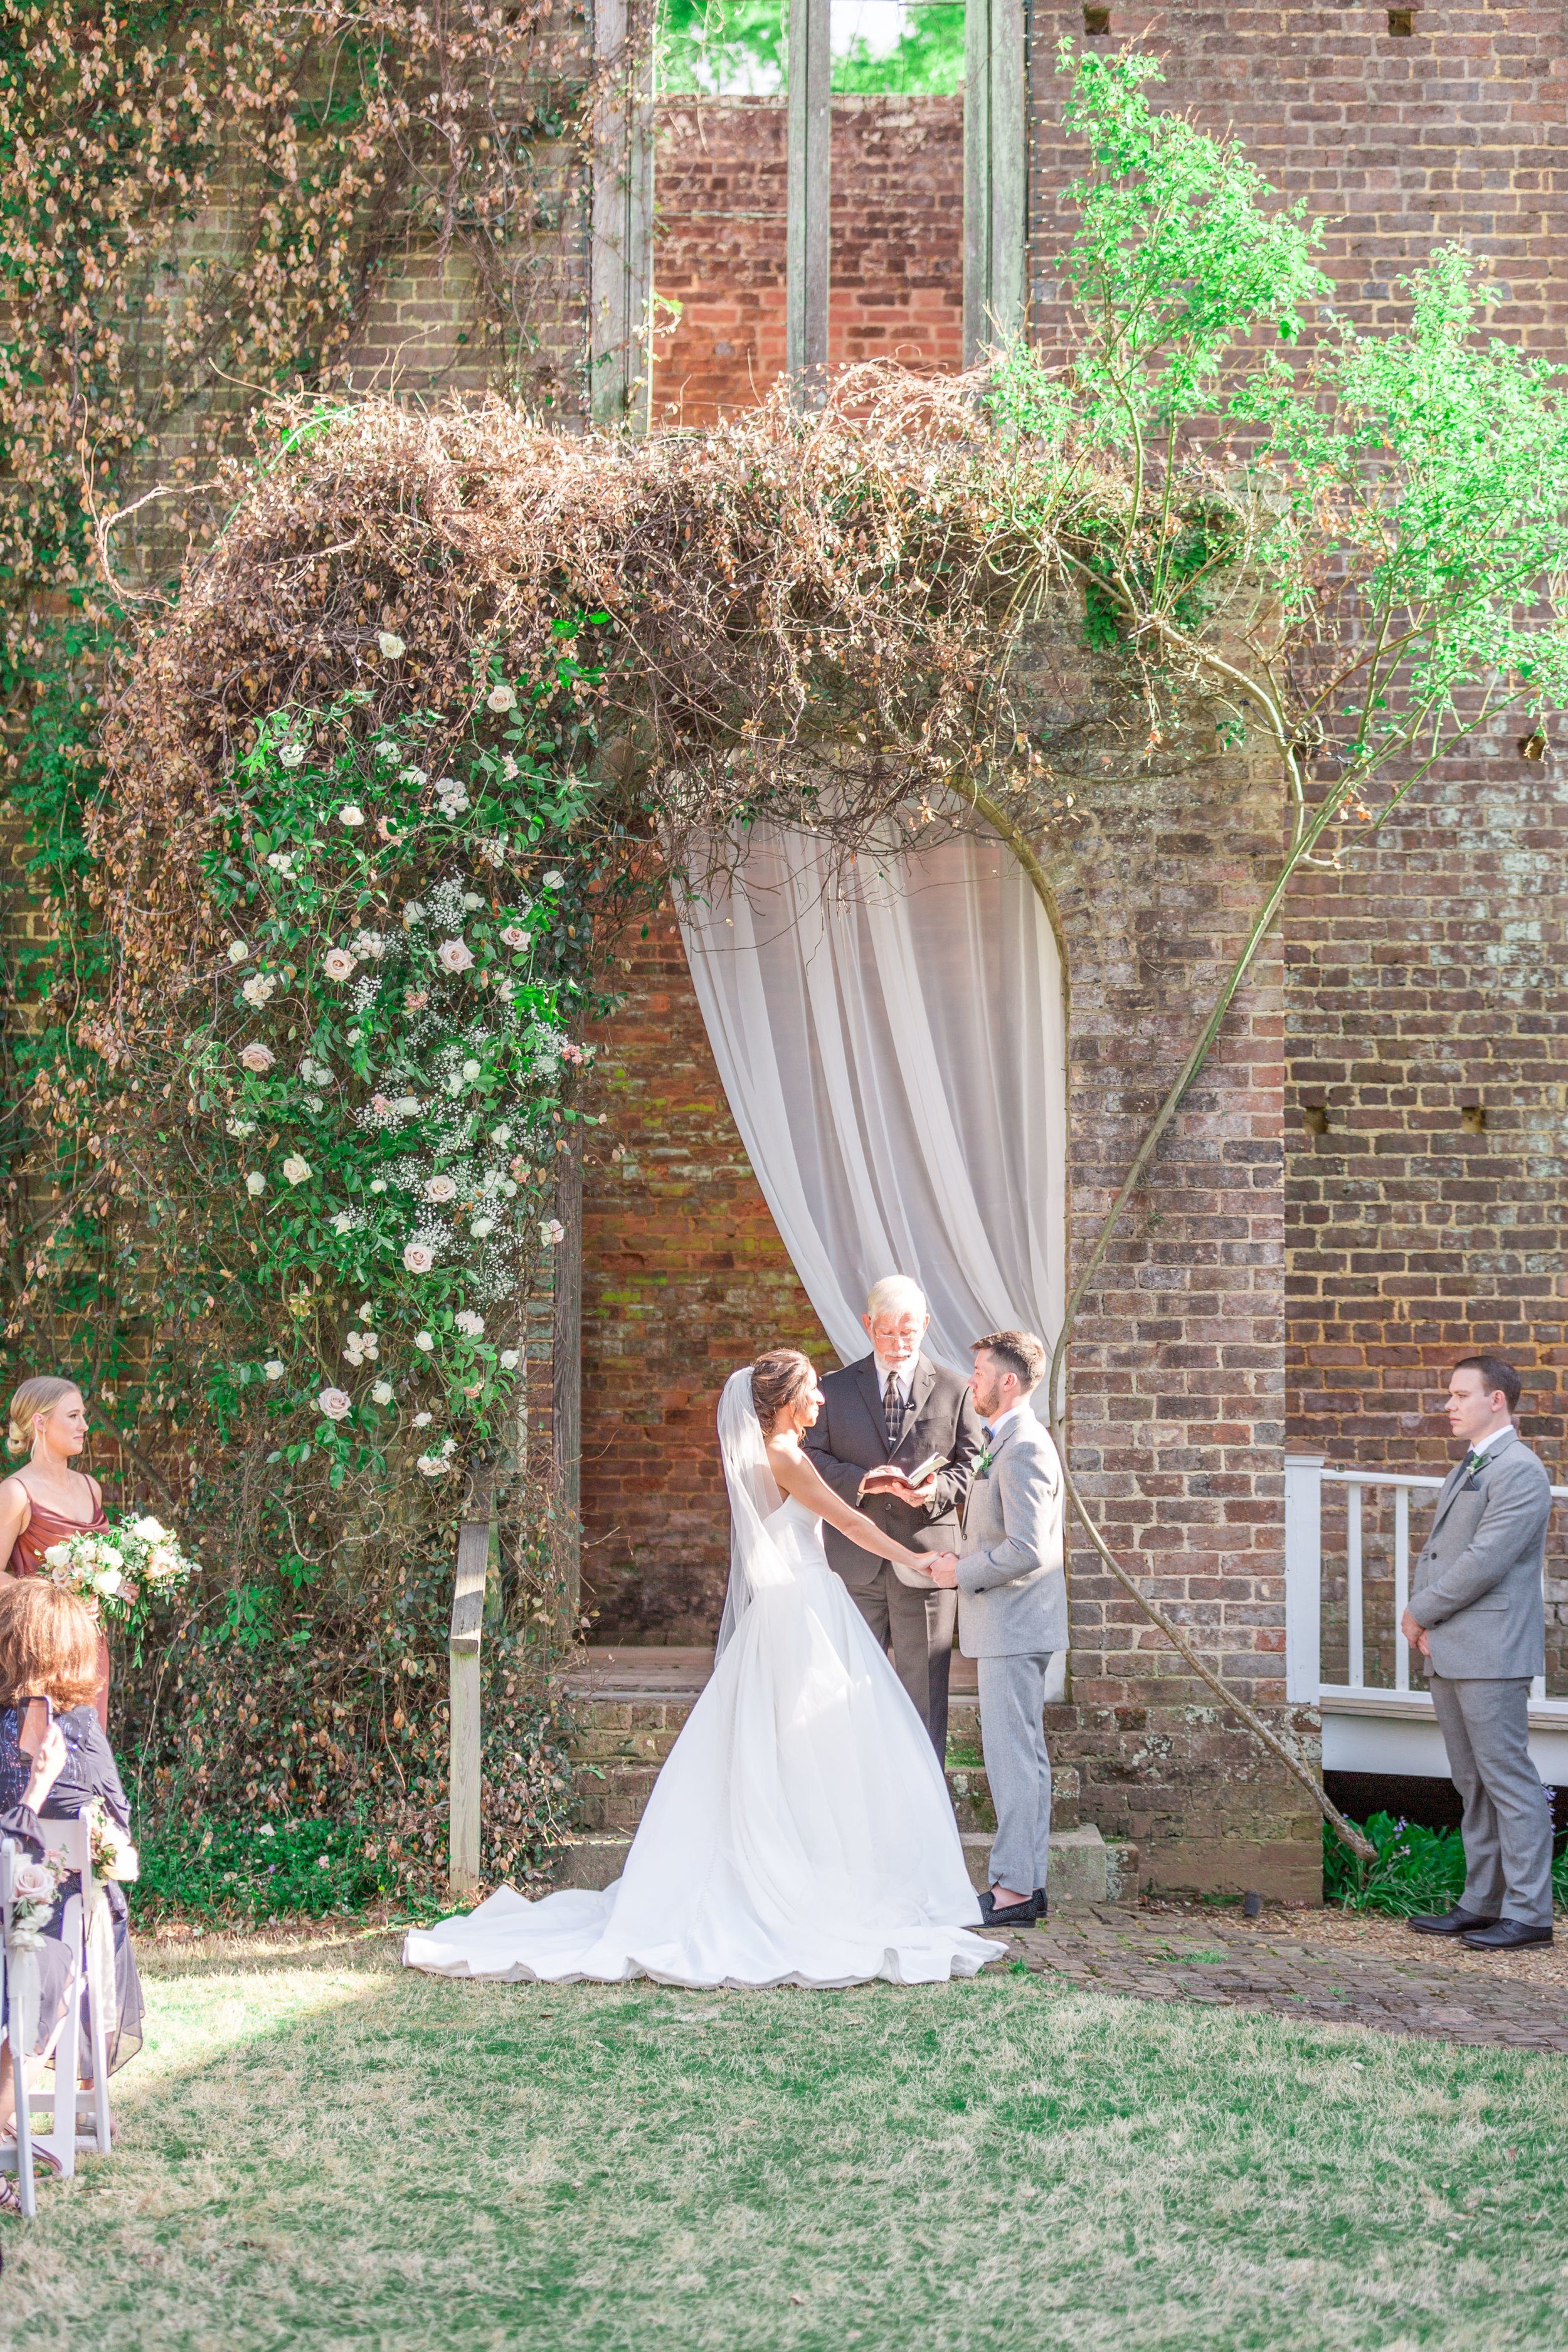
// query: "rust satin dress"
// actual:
[[45, 1527]]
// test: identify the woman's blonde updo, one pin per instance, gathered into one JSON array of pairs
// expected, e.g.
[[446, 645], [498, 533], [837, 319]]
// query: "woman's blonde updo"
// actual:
[[777, 1379], [32, 1401]]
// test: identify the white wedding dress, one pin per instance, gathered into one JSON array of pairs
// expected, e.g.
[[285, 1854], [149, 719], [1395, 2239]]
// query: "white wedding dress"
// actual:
[[800, 1832]]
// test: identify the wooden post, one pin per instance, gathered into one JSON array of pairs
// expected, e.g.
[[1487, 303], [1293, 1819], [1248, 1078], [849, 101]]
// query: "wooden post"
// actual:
[[808, 243], [463, 1644], [567, 1403], [995, 176], [621, 237]]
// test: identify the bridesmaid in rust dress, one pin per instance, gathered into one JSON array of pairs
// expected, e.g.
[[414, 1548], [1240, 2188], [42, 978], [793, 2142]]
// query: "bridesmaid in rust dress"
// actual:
[[46, 1500]]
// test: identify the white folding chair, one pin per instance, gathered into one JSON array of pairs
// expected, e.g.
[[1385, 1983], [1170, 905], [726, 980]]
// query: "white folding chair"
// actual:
[[20, 2033], [86, 1930]]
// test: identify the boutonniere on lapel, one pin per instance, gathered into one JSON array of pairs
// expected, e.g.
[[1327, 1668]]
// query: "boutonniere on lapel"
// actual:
[[983, 1466], [1475, 1463]]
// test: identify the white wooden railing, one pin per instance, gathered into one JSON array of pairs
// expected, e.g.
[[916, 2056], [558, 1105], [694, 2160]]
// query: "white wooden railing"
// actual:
[[1387, 1726]]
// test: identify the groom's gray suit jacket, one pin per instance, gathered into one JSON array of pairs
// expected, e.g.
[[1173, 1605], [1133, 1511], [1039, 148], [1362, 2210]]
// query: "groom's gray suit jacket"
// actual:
[[1477, 1585], [1012, 1582]]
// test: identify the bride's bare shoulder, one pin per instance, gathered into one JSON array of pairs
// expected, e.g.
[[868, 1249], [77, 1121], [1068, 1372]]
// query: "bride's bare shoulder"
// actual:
[[785, 1459]]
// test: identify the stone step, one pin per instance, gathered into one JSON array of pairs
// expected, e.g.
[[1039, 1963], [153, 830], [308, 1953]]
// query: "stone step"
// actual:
[[1084, 1869]]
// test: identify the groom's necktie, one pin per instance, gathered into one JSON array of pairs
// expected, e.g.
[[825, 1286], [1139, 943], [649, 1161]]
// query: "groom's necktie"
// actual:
[[893, 1413]]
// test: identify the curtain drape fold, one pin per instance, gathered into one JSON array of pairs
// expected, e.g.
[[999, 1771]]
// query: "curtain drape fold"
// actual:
[[891, 1041]]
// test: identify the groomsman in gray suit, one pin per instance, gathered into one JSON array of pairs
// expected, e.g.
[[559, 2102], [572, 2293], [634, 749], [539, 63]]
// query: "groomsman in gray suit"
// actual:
[[1013, 1613], [1477, 1618]]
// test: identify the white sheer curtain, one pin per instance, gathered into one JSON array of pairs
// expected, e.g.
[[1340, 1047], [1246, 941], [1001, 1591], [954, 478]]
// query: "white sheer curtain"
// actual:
[[892, 1042]]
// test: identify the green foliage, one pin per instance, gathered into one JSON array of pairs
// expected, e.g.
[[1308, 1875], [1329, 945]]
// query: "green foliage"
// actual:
[[732, 47], [1416, 1869], [222, 1870]]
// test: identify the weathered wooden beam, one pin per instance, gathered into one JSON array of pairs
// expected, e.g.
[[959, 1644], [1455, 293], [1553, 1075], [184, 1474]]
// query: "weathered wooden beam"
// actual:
[[995, 176], [621, 230], [808, 242], [465, 1723], [566, 1402]]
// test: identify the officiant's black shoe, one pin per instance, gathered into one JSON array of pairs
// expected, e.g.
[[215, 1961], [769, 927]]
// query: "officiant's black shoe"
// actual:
[[1505, 1935], [1007, 1915], [1448, 1923]]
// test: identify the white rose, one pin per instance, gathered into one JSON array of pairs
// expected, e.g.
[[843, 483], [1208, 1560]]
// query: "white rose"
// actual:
[[472, 900], [58, 1555], [295, 1169], [388, 752], [337, 963], [273, 1369], [414, 776], [240, 1127], [254, 1185], [510, 1360], [382, 1393], [431, 1465], [238, 951], [351, 813], [470, 1325], [354, 1037], [440, 1187], [378, 1184], [554, 880], [414, 913], [392, 648], [34, 1882], [259, 988], [256, 1057], [418, 1259], [425, 1342], [149, 1531], [453, 955], [501, 698], [501, 1135], [482, 1228], [422, 1420], [553, 1231], [343, 1223], [335, 1404], [471, 1070], [292, 754], [107, 1579], [514, 936]]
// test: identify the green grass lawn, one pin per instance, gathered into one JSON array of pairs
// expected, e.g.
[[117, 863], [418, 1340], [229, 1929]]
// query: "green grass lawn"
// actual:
[[318, 2149]]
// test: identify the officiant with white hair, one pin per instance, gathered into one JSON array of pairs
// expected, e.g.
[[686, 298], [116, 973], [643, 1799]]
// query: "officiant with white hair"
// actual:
[[897, 1437]]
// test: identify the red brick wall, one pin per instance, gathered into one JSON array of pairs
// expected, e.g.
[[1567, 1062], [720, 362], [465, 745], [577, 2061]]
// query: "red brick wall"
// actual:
[[684, 1277], [897, 243]]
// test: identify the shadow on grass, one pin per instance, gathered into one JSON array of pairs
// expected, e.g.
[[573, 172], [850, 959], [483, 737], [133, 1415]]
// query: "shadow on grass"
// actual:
[[323, 2151]]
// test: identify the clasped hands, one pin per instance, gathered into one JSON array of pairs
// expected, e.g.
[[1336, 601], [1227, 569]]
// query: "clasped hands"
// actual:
[[1416, 1635]]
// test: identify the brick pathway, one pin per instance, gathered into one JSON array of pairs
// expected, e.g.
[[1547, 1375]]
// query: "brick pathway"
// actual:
[[1164, 1954]]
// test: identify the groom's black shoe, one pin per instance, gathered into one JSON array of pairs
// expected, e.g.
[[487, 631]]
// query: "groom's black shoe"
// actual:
[[1007, 1915], [1506, 1935], [1042, 1902], [1449, 1923]]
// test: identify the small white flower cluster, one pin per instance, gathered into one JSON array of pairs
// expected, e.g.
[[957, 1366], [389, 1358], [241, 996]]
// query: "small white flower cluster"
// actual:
[[434, 1465], [292, 755], [369, 946], [259, 989], [453, 795], [282, 861], [470, 1325], [314, 1073], [493, 853], [360, 1348], [241, 1128]]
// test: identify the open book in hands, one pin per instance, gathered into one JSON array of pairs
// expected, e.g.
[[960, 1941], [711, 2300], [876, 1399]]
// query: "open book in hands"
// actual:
[[890, 1476]]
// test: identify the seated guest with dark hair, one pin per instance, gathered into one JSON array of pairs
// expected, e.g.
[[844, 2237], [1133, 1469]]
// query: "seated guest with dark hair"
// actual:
[[54, 1759]]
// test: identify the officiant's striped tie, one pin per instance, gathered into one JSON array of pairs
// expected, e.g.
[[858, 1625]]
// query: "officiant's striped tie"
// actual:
[[893, 1413]]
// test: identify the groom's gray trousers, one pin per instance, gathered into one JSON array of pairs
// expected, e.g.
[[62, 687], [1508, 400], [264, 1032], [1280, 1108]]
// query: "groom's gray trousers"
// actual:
[[1506, 1827], [1018, 1767]]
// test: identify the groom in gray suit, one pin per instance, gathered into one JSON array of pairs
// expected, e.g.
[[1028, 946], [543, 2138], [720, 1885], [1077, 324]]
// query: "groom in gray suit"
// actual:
[[1477, 1618], [1013, 1613]]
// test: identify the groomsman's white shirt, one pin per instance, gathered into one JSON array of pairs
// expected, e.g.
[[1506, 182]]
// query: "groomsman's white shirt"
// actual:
[[1491, 1437], [993, 1429]]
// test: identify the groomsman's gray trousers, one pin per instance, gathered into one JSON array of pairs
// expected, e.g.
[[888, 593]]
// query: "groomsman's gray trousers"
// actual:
[[1013, 1733], [1507, 1817]]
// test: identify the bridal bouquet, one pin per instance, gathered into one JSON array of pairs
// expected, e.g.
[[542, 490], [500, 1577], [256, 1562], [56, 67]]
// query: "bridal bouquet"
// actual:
[[120, 1573]]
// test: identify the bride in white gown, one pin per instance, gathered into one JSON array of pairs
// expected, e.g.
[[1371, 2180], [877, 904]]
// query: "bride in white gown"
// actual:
[[800, 1832]]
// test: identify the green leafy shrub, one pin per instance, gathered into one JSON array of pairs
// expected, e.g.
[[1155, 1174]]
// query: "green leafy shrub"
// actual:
[[1416, 1869]]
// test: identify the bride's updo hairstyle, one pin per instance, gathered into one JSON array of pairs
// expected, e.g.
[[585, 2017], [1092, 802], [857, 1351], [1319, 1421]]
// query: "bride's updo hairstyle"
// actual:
[[777, 1379]]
